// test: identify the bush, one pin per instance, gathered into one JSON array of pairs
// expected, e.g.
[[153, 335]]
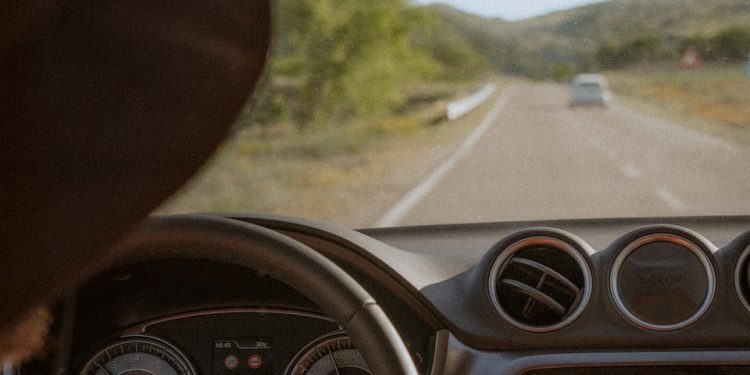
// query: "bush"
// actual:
[[643, 48], [564, 72], [732, 44]]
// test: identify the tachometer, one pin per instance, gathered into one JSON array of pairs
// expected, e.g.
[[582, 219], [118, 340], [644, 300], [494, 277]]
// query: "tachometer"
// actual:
[[329, 355], [138, 356]]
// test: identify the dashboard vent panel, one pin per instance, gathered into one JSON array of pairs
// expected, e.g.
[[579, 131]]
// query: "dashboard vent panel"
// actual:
[[540, 284]]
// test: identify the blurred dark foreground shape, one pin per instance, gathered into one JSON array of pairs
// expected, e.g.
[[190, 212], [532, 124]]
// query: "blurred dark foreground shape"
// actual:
[[106, 109]]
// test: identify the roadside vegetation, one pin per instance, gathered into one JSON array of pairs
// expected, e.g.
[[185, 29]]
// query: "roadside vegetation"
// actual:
[[347, 175], [354, 94], [640, 44], [715, 99], [336, 63], [353, 91], [608, 36]]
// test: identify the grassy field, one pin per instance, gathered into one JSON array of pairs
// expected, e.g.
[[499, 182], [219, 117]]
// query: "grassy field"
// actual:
[[715, 99], [346, 175]]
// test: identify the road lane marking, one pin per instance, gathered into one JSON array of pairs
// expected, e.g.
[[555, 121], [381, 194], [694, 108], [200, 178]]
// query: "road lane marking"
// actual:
[[671, 199], [630, 171], [627, 168], [416, 195]]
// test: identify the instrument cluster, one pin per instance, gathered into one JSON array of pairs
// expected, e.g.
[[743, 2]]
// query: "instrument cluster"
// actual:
[[254, 341]]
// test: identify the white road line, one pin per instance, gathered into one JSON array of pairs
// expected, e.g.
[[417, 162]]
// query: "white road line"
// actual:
[[630, 171], [670, 199], [411, 199]]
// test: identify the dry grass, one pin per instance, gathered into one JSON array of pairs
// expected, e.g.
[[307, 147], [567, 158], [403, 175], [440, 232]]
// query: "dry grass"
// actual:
[[343, 175], [715, 99]]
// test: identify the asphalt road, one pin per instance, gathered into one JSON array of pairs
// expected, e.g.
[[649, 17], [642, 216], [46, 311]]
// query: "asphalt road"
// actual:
[[534, 157]]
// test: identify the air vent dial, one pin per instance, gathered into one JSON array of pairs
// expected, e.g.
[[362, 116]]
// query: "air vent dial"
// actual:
[[662, 282]]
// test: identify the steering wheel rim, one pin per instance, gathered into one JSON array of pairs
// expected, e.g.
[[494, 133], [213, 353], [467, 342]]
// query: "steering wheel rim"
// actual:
[[289, 261]]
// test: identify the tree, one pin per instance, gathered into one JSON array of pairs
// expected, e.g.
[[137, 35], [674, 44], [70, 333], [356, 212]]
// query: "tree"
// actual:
[[643, 48], [453, 57], [335, 61], [608, 56], [732, 43], [353, 58], [646, 47], [345, 55]]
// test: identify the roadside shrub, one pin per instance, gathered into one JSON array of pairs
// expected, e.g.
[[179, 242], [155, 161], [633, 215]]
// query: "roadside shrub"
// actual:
[[563, 72], [732, 43]]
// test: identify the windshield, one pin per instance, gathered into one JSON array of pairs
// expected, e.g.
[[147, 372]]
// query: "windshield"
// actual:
[[393, 112]]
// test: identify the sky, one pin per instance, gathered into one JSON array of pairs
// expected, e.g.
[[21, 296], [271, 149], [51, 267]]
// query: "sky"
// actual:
[[512, 10]]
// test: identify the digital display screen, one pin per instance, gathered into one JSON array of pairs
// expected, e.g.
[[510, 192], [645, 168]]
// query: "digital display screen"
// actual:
[[242, 356]]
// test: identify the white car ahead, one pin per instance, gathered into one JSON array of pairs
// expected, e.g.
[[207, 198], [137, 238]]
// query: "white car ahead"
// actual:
[[589, 89]]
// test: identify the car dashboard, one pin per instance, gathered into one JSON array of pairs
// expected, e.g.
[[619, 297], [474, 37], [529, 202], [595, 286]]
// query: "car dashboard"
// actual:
[[663, 295]]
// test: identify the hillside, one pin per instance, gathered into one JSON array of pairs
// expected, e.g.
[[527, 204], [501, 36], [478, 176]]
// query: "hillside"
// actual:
[[574, 35]]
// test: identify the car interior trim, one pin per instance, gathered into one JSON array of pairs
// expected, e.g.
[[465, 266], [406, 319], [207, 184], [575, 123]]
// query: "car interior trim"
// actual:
[[466, 360], [143, 328], [442, 337]]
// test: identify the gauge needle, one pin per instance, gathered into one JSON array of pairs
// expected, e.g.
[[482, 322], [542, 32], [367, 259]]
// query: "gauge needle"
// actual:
[[335, 365], [107, 371]]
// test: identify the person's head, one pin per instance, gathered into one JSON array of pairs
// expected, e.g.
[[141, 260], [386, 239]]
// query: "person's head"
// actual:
[[106, 109]]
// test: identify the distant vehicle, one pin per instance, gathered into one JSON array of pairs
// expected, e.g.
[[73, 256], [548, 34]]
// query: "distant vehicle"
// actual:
[[586, 89]]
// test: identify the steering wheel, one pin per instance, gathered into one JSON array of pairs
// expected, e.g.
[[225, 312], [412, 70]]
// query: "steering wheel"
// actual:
[[287, 260]]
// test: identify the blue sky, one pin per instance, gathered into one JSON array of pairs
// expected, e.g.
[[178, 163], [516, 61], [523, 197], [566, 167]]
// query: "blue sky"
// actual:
[[512, 9]]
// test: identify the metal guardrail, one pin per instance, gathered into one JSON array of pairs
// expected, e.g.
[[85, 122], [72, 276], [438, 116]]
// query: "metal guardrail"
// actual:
[[463, 106]]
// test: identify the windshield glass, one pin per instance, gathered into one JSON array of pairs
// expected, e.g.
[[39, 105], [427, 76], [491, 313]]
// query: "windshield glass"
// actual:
[[394, 112]]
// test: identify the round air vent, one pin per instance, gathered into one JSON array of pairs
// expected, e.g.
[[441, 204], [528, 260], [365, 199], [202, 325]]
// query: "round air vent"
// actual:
[[540, 283], [662, 282]]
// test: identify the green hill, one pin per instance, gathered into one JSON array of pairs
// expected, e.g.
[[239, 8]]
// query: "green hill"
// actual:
[[575, 35]]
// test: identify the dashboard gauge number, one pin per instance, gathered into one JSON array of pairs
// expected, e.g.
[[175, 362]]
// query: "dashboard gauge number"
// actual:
[[138, 356], [330, 355]]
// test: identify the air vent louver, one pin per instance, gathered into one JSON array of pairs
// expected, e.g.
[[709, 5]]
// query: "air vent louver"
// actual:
[[540, 283]]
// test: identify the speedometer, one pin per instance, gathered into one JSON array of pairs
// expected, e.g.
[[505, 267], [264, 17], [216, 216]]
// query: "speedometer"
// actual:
[[330, 355], [138, 356]]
